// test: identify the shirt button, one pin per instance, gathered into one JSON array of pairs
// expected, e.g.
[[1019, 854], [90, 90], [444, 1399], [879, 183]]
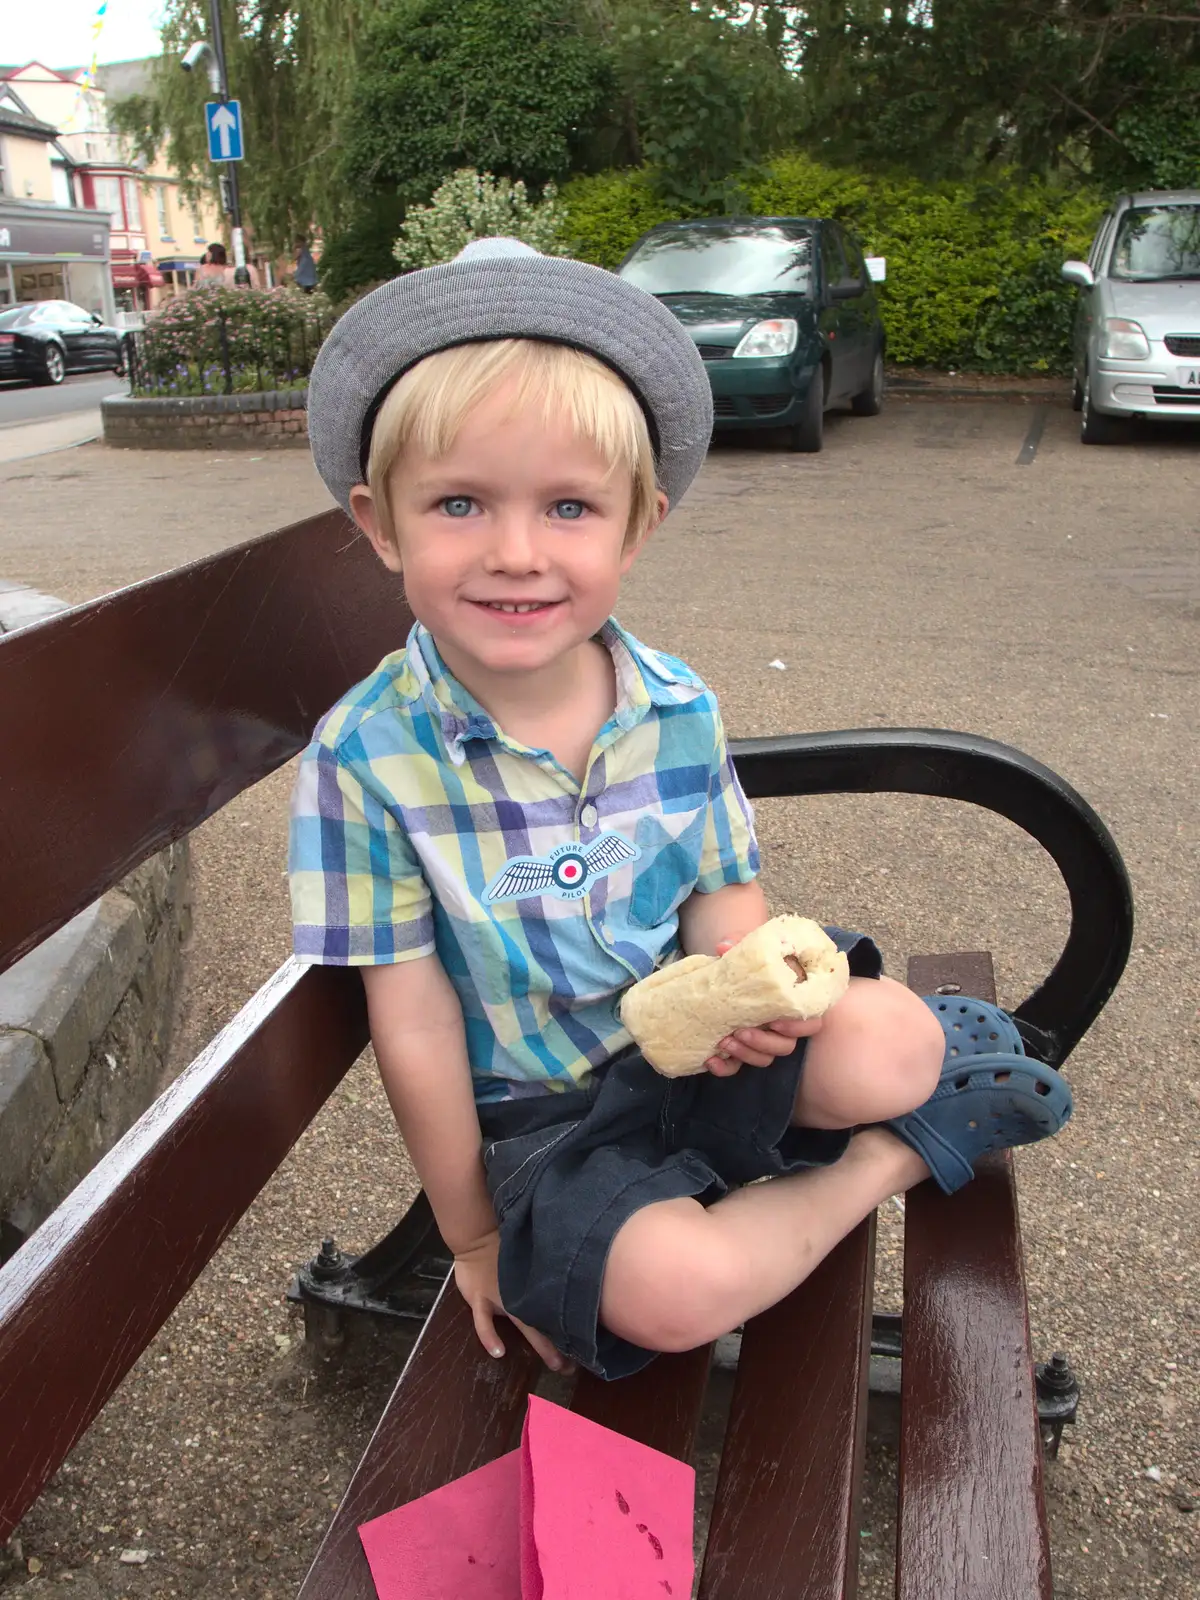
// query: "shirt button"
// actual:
[[589, 816], [608, 936]]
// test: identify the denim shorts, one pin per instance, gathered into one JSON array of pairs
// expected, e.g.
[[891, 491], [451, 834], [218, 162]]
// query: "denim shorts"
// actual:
[[565, 1171]]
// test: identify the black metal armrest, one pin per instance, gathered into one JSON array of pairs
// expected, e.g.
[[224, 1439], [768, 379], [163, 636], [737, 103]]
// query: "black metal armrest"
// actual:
[[961, 766]]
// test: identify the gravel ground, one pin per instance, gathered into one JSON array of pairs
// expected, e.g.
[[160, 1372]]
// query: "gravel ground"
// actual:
[[915, 574]]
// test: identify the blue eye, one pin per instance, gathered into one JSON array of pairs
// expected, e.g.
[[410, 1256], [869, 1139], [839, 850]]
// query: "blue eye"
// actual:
[[569, 510], [457, 505]]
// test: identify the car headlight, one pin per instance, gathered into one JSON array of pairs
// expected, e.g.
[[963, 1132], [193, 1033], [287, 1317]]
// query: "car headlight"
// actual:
[[775, 337], [1124, 340]]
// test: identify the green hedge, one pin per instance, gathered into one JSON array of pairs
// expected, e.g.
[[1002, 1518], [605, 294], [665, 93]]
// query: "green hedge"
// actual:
[[972, 268]]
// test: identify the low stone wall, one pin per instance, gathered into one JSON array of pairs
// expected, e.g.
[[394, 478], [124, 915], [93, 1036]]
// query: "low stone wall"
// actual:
[[85, 1020], [271, 421]]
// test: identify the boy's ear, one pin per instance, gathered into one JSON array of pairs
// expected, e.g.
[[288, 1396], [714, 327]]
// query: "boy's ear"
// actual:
[[630, 553], [365, 512]]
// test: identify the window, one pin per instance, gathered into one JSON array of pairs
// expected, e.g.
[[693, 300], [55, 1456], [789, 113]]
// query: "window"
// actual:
[[832, 260], [133, 209], [198, 234], [3, 184], [160, 206], [106, 193], [734, 258]]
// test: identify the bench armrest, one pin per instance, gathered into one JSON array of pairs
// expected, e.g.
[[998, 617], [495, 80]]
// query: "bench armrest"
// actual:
[[962, 766]]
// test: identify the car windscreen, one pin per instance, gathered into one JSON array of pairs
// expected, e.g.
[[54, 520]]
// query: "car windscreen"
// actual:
[[694, 261], [1157, 242], [14, 317]]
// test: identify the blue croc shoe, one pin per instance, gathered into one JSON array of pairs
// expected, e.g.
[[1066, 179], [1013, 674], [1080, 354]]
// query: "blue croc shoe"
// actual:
[[991, 1095]]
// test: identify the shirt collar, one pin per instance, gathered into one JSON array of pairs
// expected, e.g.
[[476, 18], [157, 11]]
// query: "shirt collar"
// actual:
[[645, 679]]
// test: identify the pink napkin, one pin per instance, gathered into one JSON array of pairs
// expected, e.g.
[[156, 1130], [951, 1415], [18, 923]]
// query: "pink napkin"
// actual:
[[578, 1513]]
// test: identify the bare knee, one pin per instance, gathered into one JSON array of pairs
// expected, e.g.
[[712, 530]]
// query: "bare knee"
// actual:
[[670, 1281], [878, 1056]]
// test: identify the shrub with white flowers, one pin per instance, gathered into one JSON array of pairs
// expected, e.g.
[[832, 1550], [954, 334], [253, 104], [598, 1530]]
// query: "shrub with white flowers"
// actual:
[[476, 205]]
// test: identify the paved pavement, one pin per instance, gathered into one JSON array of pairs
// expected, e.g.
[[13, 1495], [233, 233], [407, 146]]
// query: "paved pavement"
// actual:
[[965, 565]]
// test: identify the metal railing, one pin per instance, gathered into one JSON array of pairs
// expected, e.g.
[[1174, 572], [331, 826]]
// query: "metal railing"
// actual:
[[226, 353]]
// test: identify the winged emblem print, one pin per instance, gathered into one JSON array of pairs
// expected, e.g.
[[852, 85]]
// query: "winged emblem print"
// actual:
[[566, 872]]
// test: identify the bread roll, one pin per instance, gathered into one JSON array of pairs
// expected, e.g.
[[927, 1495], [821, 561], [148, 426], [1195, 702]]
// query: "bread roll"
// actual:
[[789, 967]]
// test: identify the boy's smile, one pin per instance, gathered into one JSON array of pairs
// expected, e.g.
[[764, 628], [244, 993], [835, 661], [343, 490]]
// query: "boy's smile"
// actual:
[[512, 545]]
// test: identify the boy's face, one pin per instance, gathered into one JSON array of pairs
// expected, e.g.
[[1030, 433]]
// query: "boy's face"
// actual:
[[511, 544]]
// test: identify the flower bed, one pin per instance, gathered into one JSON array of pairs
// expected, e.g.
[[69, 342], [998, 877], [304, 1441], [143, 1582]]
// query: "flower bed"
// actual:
[[218, 341]]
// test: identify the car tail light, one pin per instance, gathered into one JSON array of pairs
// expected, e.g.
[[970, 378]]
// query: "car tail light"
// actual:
[[7, 338]]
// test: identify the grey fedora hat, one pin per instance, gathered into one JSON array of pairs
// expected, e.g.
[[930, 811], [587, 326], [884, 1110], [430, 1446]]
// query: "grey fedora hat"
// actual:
[[503, 289]]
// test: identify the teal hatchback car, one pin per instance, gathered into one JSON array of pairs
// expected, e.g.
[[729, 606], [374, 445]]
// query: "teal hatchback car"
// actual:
[[783, 311]]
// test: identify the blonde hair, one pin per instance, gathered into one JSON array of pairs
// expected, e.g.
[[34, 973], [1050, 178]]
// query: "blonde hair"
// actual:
[[427, 407]]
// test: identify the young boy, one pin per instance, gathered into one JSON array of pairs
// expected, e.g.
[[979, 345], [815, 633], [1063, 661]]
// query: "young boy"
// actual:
[[525, 810]]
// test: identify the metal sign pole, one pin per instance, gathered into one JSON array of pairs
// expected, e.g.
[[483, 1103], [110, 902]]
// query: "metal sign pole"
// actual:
[[241, 273]]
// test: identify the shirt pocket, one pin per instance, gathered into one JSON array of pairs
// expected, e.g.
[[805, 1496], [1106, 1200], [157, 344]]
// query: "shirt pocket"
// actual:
[[670, 842]]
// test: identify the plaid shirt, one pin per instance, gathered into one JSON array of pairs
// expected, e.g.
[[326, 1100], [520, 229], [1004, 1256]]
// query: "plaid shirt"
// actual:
[[418, 826]]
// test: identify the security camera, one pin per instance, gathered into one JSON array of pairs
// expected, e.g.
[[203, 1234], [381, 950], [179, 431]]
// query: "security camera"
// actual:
[[203, 51]]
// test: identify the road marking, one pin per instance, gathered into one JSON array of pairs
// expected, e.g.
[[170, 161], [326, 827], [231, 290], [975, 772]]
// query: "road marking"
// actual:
[[1037, 426]]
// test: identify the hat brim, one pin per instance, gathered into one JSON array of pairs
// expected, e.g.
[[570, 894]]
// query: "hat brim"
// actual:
[[508, 297]]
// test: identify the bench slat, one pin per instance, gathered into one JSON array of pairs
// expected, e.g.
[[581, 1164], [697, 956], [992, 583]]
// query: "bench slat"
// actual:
[[659, 1406], [785, 1521], [179, 693], [84, 1297], [972, 1519], [453, 1410]]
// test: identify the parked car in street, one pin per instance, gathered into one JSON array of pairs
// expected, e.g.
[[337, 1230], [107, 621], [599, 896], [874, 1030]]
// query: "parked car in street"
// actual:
[[783, 311], [46, 339], [1137, 325]]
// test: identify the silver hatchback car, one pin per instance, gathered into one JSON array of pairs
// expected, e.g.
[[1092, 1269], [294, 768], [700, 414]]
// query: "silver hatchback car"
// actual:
[[1137, 325]]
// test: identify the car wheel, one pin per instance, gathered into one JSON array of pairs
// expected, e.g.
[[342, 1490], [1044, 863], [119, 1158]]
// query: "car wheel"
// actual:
[[870, 402], [54, 364], [808, 435], [1096, 427], [1076, 394]]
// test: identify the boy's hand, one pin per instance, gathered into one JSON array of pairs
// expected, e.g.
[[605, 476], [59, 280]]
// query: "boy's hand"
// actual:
[[758, 1047], [476, 1275]]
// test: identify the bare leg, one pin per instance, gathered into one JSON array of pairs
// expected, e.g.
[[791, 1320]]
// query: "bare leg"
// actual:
[[878, 1054], [679, 1275]]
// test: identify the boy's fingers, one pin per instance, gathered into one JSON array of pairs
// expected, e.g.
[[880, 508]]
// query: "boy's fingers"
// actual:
[[795, 1027], [722, 1066], [763, 1041], [485, 1328], [553, 1358]]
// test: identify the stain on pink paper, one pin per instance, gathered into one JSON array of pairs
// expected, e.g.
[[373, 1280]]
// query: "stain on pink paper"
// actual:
[[578, 1513]]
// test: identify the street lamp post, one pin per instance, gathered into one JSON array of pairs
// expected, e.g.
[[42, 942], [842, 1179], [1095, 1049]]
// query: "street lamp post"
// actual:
[[241, 273], [218, 83]]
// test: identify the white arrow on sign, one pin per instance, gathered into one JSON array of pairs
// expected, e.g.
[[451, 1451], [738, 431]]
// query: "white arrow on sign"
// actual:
[[224, 122]]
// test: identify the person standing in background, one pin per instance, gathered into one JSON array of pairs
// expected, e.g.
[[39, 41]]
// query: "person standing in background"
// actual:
[[306, 267]]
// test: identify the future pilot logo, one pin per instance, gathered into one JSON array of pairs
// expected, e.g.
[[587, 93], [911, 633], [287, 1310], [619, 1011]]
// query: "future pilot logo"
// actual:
[[566, 872]]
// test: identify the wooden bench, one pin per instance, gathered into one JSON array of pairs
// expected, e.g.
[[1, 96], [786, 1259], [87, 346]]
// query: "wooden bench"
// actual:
[[181, 692]]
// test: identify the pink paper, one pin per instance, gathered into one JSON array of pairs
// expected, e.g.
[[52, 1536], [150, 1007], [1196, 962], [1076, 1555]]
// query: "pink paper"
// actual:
[[458, 1543], [611, 1519], [578, 1513]]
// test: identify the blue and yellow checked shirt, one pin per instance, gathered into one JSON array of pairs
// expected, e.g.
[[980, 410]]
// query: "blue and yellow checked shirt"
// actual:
[[419, 826]]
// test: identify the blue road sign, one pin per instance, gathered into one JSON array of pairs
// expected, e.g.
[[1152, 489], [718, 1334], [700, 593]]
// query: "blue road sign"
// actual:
[[224, 123]]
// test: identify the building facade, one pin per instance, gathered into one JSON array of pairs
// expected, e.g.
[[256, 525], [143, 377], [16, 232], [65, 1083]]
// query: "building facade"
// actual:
[[156, 237], [50, 247]]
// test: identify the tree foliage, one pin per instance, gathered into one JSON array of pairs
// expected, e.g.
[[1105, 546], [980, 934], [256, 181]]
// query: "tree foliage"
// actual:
[[510, 86], [292, 64], [477, 205], [1108, 89]]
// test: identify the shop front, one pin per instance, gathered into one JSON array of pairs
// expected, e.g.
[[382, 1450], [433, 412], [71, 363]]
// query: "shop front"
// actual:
[[134, 276], [55, 253]]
